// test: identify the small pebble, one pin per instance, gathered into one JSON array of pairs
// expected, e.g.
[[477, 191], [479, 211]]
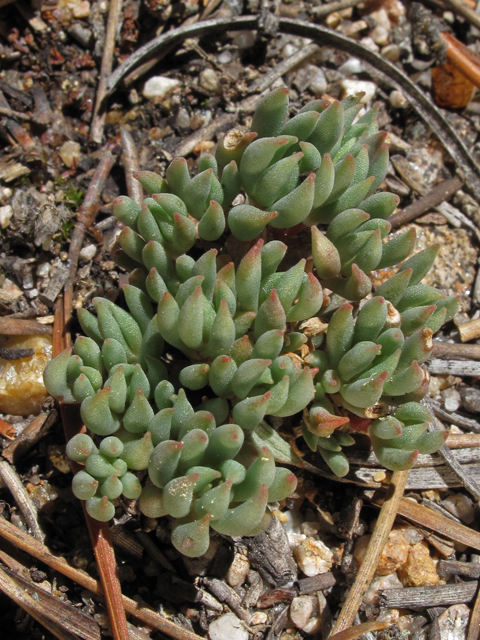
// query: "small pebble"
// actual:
[[394, 554], [43, 270], [158, 87], [470, 398], [352, 29], [81, 10], [6, 214], [379, 35], [227, 627], [420, 569], [452, 623], [88, 253], [412, 535], [197, 121], [370, 44], [313, 626], [5, 193], [301, 609], [133, 97], [238, 570], [452, 399], [460, 505], [351, 67], [225, 57], [288, 50], [391, 52], [183, 119], [398, 100], [70, 153], [333, 20], [209, 81], [378, 584], [349, 87], [260, 617], [318, 82], [244, 39], [313, 557], [382, 19]]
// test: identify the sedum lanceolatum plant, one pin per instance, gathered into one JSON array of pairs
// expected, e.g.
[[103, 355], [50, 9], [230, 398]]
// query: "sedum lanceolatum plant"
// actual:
[[187, 381]]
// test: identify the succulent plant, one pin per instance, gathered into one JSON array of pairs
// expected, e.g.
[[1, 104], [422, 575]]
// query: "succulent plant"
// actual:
[[182, 384]]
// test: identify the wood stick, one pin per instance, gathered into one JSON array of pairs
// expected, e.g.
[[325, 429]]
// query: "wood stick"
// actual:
[[21, 497], [85, 217], [441, 595], [474, 625], [456, 351], [374, 551], [454, 418], [130, 166], [463, 441], [459, 59], [13, 114], [468, 482], [444, 526], [142, 611], [32, 607], [442, 192], [20, 327], [98, 117], [29, 437], [447, 568], [469, 330], [462, 368], [66, 615]]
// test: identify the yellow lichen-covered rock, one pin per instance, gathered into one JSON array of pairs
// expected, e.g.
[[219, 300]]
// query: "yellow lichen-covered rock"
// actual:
[[22, 391], [419, 570]]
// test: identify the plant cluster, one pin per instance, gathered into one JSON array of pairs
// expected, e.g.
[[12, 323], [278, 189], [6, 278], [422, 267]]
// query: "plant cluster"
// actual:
[[182, 384]]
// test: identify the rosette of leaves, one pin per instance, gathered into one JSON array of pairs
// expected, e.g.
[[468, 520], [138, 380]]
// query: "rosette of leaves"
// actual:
[[306, 169], [372, 362], [233, 324], [239, 334], [202, 471]]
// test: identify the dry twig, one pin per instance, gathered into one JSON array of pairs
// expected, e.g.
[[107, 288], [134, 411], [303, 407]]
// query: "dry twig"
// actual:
[[468, 482], [429, 519], [130, 166], [10, 113], [21, 497], [32, 607], [374, 551], [29, 437], [442, 192], [98, 118], [474, 625], [456, 351], [437, 596], [85, 217], [26, 543]]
